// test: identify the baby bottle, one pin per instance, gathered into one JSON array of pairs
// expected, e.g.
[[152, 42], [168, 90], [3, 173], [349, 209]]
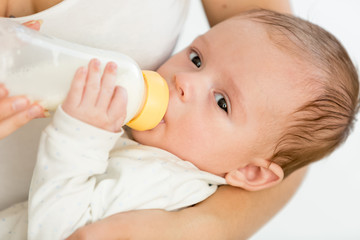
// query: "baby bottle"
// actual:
[[42, 68]]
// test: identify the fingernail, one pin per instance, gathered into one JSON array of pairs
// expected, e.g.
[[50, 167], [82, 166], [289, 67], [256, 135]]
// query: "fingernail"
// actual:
[[19, 104], [35, 111], [112, 66], [33, 22], [96, 62], [82, 70], [30, 22], [46, 114]]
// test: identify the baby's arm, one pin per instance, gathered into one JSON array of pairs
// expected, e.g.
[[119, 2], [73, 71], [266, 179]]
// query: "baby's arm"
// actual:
[[72, 153]]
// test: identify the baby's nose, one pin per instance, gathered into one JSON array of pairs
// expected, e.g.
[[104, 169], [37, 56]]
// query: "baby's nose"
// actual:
[[184, 87]]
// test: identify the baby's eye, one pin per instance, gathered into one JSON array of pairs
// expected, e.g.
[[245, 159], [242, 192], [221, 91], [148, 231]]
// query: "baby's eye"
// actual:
[[220, 100], [194, 57]]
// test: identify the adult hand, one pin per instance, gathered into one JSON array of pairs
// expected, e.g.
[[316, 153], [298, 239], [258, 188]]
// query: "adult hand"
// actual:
[[15, 112]]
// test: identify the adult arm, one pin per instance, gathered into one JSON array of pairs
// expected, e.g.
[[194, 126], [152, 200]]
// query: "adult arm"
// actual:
[[231, 213], [219, 10]]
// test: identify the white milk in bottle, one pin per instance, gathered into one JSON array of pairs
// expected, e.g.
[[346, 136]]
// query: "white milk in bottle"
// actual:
[[42, 68]]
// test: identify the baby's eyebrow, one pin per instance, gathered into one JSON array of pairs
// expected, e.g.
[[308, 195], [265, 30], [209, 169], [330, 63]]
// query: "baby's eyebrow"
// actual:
[[237, 101], [201, 40]]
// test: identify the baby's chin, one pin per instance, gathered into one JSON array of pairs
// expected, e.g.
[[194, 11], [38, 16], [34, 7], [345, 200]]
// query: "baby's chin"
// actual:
[[145, 137], [136, 135]]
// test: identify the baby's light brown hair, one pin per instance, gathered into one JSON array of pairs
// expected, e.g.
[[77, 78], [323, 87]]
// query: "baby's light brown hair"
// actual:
[[323, 123]]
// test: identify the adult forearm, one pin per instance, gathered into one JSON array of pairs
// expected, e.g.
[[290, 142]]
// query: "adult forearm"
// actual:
[[153, 225], [219, 10], [243, 213], [230, 213]]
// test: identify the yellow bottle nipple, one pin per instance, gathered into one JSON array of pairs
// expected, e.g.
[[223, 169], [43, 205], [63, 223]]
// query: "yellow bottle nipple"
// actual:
[[155, 103]]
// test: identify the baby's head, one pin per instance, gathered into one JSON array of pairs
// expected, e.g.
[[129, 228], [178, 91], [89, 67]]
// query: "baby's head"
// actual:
[[257, 97]]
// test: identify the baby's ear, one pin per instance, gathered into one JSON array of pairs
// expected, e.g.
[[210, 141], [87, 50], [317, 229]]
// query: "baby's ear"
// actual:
[[256, 176]]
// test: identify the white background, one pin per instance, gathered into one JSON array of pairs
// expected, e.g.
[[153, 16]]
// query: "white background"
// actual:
[[327, 205]]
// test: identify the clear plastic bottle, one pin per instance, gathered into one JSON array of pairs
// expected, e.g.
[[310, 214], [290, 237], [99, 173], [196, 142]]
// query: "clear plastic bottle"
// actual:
[[42, 68]]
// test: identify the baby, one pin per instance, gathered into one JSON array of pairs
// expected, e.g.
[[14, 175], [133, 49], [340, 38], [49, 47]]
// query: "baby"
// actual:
[[255, 98]]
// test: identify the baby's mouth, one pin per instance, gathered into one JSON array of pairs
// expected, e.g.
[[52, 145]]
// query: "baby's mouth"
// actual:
[[163, 120]]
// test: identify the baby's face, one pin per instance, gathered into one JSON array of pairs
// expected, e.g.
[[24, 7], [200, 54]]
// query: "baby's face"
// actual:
[[231, 92]]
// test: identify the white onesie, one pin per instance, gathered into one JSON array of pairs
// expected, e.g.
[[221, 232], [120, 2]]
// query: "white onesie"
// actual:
[[145, 30], [76, 181]]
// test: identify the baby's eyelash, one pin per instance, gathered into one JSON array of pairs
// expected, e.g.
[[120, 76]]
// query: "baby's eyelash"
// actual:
[[195, 58], [222, 102]]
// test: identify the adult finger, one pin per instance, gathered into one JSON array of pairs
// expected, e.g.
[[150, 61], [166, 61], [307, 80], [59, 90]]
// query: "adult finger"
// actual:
[[14, 122], [3, 91], [33, 24], [12, 105]]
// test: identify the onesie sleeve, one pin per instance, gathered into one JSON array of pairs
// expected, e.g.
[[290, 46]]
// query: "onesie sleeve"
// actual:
[[71, 153]]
